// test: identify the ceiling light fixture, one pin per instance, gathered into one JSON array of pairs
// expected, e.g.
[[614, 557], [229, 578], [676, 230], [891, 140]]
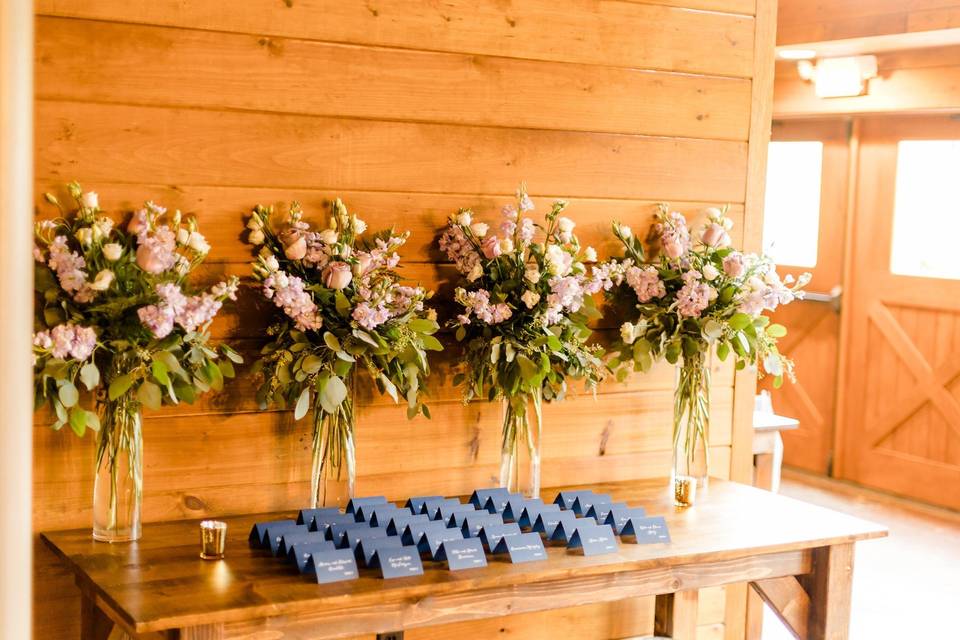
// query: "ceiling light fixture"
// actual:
[[839, 77]]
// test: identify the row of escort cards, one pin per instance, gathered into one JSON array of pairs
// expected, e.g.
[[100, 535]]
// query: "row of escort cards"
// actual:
[[330, 545]]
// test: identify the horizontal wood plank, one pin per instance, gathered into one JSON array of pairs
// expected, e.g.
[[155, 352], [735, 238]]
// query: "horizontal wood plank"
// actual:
[[155, 66], [178, 146], [627, 34]]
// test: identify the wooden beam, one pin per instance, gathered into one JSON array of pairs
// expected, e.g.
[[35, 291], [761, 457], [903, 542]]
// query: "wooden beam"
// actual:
[[676, 615], [828, 586], [788, 600]]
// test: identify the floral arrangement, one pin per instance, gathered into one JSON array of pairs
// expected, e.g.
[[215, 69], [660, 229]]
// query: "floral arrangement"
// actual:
[[523, 309], [117, 316], [342, 307], [694, 294]]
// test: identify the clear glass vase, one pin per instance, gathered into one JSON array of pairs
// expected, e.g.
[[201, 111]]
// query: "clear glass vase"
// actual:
[[520, 449], [334, 472], [118, 480], [691, 427]]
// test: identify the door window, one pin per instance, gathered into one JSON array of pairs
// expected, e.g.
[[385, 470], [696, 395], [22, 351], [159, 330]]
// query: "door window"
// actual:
[[926, 211], [791, 212]]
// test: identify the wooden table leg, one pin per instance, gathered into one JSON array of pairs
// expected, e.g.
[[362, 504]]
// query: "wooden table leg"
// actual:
[[675, 615], [829, 586], [754, 626], [199, 632], [94, 623]]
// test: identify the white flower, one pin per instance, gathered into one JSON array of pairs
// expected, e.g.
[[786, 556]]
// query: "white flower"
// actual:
[[464, 219], [198, 243], [565, 225], [183, 236], [475, 272], [558, 261], [254, 223], [506, 245], [85, 236], [713, 213], [328, 236], [530, 298], [532, 274], [627, 333], [271, 262], [101, 228], [345, 251], [710, 272], [625, 231], [112, 251], [90, 200], [103, 280], [359, 226], [256, 237], [183, 266], [479, 229], [589, 254]]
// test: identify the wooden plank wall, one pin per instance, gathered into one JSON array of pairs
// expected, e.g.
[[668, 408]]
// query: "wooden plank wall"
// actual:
[[802, 21], [407, 110]]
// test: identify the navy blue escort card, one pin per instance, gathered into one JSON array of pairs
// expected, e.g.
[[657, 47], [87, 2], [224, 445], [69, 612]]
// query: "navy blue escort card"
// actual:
[[498, 502], [415, 504], [337, 532], [480, 497], [566, 528], [364, 512], [306, 516], [515, 506], [259, 529], [646, 530], [462, 554], [397, 562], [289, 539], [432, 540], [530, 512], [416, 530], [566, 498], [430, 507], [380, 515], [473, 522], [301, 552], [583, 503], [446, 512], [399, 522], [273, 535], [547, 521], [593, 539], [618, 516], [356, 502], [526, 547], [333, 566], [492, 534], [354, 536], [322, 522], [367, 548], [600, 510]]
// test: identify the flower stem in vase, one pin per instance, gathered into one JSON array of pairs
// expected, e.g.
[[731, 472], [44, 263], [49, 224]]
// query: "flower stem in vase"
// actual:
[[520, 451], [118, 483], [334, 471], [691, 427]]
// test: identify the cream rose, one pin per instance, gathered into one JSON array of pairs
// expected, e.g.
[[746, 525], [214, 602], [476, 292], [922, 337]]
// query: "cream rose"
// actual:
[[530, 298], [337, 275], [112, 251], [479, 229], [90, 200], [103, 280]]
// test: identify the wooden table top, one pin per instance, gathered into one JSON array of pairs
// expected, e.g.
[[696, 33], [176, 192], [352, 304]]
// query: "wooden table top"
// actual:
[[161, 583]]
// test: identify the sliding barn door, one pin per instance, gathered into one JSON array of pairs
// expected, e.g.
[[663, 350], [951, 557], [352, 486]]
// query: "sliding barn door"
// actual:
[[901, 389], [803, 231]]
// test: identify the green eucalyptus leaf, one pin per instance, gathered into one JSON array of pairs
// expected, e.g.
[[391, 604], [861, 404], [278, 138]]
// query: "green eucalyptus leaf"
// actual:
[[460, 333], [431, 344], [226, 368], [343, 305], [424, 325], [68, 394], [389, 387], [712, 329], [90, 376], [231, 354], [723, 350], [303, 404], [331, 341], [311, 364], [93, 421], [776, 331], [78, 420], [739, 321], [343, 355], [149, 394], [159, 370], [334, 393], [214, 375]]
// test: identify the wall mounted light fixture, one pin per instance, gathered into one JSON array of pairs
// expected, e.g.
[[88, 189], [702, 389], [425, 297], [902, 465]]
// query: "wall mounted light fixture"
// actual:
[[839, 77]]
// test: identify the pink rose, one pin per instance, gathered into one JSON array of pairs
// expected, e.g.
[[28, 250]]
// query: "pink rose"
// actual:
[[491, 247], [363, 263], [296, 250], [337, 275], [713, 235], [151, 259], [138, 222], [733, 265], [672, 249]]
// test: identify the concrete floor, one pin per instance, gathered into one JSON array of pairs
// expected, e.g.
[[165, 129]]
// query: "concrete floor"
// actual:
[[905, 586]]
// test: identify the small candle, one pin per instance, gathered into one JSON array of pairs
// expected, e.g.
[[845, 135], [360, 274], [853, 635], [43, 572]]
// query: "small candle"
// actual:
[[684, 491], [213, 539]]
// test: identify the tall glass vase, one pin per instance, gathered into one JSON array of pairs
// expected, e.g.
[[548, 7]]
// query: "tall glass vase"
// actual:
[[118, 483], [334, 472], [520, 449], [691, 427]]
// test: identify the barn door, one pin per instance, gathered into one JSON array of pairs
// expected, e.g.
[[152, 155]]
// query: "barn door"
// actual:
[[901, 388], [804, 219]]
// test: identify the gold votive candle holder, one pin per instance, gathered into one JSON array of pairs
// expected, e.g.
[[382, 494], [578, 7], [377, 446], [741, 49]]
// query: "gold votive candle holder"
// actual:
[[684, 491], [213, 539]]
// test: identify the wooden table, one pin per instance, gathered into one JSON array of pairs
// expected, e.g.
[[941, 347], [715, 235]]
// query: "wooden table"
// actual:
[[797, 556], [768, 447]]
